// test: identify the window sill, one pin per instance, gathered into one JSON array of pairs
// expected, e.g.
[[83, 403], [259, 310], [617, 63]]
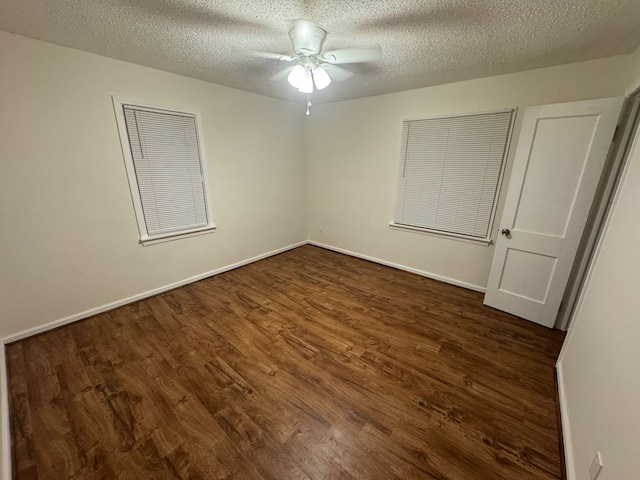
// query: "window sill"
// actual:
[[169, 237], [451, 236]]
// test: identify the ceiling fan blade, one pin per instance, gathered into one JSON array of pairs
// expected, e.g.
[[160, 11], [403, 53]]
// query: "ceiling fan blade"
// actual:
[[269, 55], [281, 75], [353, 55], [337, 73]]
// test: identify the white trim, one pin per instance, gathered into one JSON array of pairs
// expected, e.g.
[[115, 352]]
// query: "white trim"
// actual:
[[438, 233], [496, 199], [110, 306], [169, 237], [564, 420], [434, 276], [145, 239], [503, 168], [118, 303], [5, 434], [467, 114]]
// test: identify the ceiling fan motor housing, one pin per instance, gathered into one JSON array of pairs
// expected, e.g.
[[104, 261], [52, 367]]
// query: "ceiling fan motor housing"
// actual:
[[307, 38]]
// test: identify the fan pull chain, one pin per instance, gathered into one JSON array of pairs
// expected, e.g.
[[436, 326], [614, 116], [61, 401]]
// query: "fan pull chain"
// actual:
[[308, 104]]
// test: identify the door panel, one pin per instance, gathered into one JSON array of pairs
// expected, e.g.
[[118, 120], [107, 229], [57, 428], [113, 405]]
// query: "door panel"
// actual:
[[534, 285], [550, 213], [559, 159]]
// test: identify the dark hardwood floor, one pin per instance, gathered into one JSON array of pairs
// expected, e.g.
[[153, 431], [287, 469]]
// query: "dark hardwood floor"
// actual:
[[309, 364]]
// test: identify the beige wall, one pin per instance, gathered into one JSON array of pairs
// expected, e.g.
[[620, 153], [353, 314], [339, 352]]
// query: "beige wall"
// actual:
[[599, 368], [69, 239], [353, 150]]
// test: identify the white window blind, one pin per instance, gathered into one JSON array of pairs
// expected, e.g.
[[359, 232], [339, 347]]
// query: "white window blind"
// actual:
[[168, 170], [449, 173]]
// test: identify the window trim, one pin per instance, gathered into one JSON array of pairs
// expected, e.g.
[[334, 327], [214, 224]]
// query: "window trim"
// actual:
[[145, 239], [488, 240], [442, 234]]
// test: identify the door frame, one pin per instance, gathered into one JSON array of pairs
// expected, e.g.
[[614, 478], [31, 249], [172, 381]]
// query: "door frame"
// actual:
[[616, 160]]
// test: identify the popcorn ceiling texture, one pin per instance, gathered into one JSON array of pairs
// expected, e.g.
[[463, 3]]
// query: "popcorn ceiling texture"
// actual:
[[423, 42]]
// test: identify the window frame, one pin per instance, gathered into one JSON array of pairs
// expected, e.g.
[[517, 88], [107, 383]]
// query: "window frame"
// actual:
[[119, 104], [488, 240]]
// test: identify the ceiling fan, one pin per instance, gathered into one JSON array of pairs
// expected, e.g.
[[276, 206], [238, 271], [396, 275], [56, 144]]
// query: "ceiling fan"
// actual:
[[310, 66]]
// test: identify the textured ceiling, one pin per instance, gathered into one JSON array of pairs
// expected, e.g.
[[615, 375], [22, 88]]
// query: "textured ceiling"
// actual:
[[424, 43]]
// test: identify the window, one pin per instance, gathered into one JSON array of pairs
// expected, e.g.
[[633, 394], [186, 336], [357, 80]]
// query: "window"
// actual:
[[450, 173], [166, 171]]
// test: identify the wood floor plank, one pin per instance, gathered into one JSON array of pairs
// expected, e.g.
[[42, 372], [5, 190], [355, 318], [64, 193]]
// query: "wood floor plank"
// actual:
[[23, 454], [307, 365]]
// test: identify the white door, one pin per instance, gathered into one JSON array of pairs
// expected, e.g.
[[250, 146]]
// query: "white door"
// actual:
[[559, 159]]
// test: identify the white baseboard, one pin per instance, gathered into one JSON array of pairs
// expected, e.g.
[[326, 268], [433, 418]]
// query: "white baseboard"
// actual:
[[5, 434], [5, 437], [118, 303], [433, 276], [564, 419]]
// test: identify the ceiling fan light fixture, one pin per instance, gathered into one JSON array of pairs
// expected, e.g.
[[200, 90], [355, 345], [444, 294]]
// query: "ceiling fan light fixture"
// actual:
[[309, 68], [306, 86], [321, 78], [307, 37], [296, 76]]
